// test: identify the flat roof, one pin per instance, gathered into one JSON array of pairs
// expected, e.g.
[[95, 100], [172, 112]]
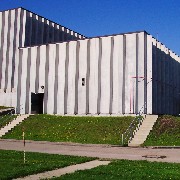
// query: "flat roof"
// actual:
[[87, 38], [112, 35]]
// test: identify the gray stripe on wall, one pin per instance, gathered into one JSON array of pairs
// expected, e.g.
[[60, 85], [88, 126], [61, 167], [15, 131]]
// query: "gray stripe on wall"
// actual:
[[174, 88], [7, 50], [56, 78], [88, 75], [37, 70], [111, 76], [33, 35], [99, 77], [63, 34], [41, 30], [28, 29], [46, 32], [46, 79], [19, 82], [169, 84], [145, 73], [21, 28], [57, 33], [137, 60], [172, 85], [124, 72], [76, 78], [166, 83], [163, 81], [36, 29], [14, 49], [2, 45], [154, 80], [66, 78], [28, 82], [52, 31]]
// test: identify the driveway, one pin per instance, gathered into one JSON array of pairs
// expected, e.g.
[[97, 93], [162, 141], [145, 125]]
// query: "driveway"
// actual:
[[92, 150]]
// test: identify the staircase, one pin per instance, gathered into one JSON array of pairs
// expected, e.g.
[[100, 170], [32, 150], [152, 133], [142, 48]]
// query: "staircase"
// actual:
[[12, 124], [144, 130]]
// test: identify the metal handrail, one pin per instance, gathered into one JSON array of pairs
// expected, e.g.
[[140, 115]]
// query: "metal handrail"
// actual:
[[9, 113], [130, 131], [7, 117], [128, 135]]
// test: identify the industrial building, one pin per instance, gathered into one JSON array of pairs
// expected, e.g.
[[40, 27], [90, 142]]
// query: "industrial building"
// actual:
[[47, 68]]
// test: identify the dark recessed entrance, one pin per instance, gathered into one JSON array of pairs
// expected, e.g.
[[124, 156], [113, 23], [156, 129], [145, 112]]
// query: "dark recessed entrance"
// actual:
[[37, 103]]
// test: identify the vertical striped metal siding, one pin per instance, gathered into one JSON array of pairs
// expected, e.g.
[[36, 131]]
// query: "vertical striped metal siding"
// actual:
[[108, 64], [166, 80], [20, 28]]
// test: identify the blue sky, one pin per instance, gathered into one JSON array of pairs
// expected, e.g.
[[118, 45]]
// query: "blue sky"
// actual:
[[161, 18]]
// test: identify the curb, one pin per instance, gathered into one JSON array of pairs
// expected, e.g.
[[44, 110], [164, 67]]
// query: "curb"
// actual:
[[62, 143], [164, 147], [90, 145]]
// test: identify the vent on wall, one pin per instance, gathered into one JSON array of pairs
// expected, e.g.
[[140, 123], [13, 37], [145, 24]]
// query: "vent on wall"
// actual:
[[83, 81]]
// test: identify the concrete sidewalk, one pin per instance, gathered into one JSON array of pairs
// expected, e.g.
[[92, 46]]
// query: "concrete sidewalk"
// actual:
[[65, 170], [90, 150]]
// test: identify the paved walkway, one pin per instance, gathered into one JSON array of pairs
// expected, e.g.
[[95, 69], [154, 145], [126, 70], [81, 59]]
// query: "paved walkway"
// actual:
[[100, 151], [62, 171]]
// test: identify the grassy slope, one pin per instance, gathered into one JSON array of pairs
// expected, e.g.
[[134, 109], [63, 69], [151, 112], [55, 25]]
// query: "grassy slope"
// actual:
[[3, 107], [12, 165], [125, 169], [103, 130], [166, 132], [6, 119]]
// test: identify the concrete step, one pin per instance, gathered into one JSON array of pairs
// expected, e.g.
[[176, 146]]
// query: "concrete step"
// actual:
[[146, 126], [138, 135], [14, 123], [144, 130], [7, 111], [151, 118], [148, 122], [141, 134], [139, 138], [141, 131], [135, 145]]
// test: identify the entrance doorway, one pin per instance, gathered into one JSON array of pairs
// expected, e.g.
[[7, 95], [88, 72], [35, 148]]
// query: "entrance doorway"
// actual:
[[37, 103]]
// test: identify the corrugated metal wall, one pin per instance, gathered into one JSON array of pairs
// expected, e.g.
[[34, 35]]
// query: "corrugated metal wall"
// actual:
[[166, 80], [114, 69], [18, 28]]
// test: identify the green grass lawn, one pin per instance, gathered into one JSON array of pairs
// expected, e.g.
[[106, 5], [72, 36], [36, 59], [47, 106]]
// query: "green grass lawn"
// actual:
[[125, 170], [166, 132], [5, 119], [98, 130], [12, 164], [3, 107]]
